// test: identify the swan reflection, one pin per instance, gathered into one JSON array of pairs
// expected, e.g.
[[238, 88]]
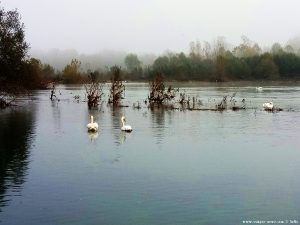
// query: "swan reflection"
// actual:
[[93, 135]]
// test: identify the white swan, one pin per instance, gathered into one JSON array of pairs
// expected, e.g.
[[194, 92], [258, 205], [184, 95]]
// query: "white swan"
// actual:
[[92, 126], [259, 88], [125, 127], [268, 106]]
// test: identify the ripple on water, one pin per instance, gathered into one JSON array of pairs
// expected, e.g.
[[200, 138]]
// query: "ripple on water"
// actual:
[[176, 167]]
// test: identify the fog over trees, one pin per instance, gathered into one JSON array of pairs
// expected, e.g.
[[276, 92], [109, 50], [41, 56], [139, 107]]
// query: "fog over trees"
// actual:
[[103, 60], [217, 60], [96, 61]]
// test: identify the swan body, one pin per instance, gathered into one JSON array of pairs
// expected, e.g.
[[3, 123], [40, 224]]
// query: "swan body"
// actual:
[[268, 106], [259, 88], [92, 126], [125, 127]]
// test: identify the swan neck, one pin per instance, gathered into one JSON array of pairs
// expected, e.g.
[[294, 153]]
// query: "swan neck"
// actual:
[[92, 119]]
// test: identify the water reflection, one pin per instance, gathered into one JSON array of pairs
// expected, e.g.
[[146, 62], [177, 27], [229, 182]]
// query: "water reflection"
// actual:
[[158, 123], [56, 111], [93, 135], [16, 137], [95, 112], [116, 114], [124, 136]]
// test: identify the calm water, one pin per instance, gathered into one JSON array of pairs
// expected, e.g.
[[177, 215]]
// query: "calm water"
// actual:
[[176, 167]]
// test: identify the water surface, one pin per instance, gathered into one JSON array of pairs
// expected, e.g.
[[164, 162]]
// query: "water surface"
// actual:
[[176, 167]]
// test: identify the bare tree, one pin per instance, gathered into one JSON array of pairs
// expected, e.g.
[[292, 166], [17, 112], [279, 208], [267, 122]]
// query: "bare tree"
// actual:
[[94, 89], [117, 87], [207, 50], [158, 93]]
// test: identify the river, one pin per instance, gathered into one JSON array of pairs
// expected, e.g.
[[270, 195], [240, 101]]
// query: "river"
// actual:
[[176, 167]]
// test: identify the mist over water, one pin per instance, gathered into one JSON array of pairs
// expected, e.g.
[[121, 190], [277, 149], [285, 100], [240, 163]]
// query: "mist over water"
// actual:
[[176, 167]]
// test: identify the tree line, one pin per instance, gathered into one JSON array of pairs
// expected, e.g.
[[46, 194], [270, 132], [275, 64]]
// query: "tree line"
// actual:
[[244, 62], [215, 62], [205, 61]]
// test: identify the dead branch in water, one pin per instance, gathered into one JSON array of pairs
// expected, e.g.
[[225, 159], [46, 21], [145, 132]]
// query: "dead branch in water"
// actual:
[[274, 109], [52, 95], [223, 105], [158, 93], [9, 93], [189, 102]]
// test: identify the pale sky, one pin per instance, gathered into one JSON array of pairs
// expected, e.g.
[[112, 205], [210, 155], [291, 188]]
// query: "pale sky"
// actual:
[[153, 26]]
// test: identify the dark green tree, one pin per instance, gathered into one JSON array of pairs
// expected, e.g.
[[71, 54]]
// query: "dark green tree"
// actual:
[[266, 68], [13, 55], [132, 63], [276, 49], [161, 66], [13, 48], [221, 73], [288, 64], [235, 67], [134, 67]]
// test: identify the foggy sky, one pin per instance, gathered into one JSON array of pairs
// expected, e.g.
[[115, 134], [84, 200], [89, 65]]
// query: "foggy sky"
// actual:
[[153, 26]]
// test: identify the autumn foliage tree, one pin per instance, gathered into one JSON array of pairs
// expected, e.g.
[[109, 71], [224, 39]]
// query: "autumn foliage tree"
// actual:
[[71, 73]]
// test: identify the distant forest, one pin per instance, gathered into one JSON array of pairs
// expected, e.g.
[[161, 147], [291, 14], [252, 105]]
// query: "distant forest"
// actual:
[[205, 61]]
